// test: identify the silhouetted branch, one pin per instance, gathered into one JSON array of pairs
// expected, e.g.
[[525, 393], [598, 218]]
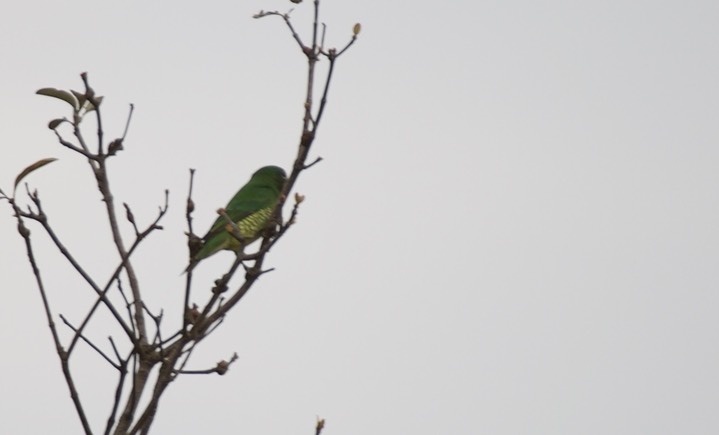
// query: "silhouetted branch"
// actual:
[[25, 234], [118, 396], [71, 146], [194, 244], [90, 343], [221, 368], [131, 218], [317, 160], [157, 340], [319, 426], [127, 124], [286, 17], [116, 275], [114, 349], [41, 218], [148, 352]]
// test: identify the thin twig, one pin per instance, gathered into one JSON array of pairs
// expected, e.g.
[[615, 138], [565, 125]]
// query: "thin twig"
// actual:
[[153, 226], [25, 233], [69, 145], [193, 243], [114, 349], [221, 368], [131, 218], [128, 305], [158, 333], [127, 124], [286, 17], [317, 160], [103, 184], [90, 343], [339, 53], [42, 219], [323, 101], [319, 426], [118, 396], [90, 95], [324, 32]]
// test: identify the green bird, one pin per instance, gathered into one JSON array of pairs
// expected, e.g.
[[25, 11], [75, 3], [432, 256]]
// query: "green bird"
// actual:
[[250, 209]]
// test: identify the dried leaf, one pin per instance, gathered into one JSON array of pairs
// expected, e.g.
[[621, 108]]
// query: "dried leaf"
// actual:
[[52, 125], [59, 93], [89, 107], [29, 169], [80, 97], [114, 147]]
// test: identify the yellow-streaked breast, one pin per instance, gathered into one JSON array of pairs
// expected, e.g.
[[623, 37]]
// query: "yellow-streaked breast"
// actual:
[[254, 223]]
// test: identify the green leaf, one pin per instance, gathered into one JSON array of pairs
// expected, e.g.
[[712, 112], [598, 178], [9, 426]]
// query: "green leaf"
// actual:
[[59, 93], [29, 169]]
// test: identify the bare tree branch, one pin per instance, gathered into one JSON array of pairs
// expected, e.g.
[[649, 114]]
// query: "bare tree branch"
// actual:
[[25, 233], [90, 343], [41, 217], [146, 349], [319, 426]]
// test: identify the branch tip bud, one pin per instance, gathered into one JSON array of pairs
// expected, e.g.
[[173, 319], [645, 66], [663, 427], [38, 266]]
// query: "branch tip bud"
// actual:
[[222, 367]]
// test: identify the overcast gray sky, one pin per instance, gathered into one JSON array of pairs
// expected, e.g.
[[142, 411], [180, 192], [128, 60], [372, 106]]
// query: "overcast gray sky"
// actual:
[[514, 230]]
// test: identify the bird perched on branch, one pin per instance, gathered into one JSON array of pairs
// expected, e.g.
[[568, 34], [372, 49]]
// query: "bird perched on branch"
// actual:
[[250, 209]]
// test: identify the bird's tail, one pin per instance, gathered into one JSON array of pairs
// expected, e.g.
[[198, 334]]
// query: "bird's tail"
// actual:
[[189, 267]]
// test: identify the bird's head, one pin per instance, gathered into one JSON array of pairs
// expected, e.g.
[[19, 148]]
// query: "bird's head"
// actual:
[[272, 175]]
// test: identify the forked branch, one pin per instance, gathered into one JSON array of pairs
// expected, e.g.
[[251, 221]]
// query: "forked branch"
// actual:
[[150, 347]]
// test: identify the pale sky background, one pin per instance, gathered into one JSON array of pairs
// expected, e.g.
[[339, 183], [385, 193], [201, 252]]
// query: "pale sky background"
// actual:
[[514, 230]]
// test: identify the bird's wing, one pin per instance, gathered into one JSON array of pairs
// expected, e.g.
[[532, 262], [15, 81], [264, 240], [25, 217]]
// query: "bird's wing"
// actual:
[[242, 205]]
